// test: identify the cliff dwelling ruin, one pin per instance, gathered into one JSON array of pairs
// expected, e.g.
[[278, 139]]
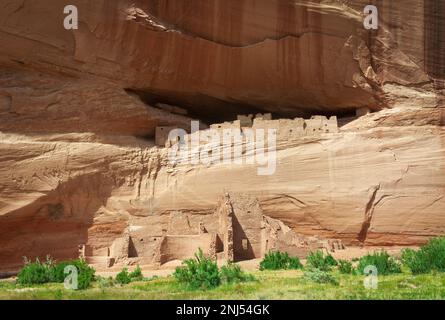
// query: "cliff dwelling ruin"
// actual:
[[286, 129], [237, 230]]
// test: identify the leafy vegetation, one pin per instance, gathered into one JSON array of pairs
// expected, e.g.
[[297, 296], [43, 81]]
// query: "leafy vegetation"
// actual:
[[123, 277], [429, 257], [277, 260], [203, 273], [345, 267], [57, 272], [34, 273], [232, 273], [198, 273], [44, 272], [85, 273], [384, 263], [416, 260], [318, 260], [136, 275]]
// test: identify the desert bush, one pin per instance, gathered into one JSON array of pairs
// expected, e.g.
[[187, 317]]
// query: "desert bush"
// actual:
[[276, 260], [318, 260], [49, 271], [345, 267], [416, 260], [56, 273], [85, 273], [198, 273], [434, 250], [320, 276], [33, 273], [429, 257], [384, 263], [232, 273], [123, 277], [136, 275]]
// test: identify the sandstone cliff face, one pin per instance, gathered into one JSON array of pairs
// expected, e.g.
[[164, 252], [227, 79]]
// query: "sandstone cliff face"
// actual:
[[77, 160], [275, 55]]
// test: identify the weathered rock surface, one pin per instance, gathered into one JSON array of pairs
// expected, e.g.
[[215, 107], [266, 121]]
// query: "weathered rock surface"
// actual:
[[274, 55], [78, 165]]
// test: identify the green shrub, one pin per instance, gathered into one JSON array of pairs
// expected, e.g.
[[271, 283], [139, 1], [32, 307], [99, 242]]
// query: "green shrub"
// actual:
[[435, 251], [39, 273], [232, 273], [345, 267], [198, 273], [417, 261], [277, 260], [123, 277], [330, 260], [137, 275], [33, 273], [56, 273], [384, 263], [85, 273], [429, 257], [318, 260], [319, 276]]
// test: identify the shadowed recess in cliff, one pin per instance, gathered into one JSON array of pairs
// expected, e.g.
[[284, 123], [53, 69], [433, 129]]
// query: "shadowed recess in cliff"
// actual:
[[435, 38], [55, 224], [204, 108], [212, 110]]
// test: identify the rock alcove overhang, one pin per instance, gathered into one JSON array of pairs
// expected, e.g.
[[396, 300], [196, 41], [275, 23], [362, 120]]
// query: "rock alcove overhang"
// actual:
[[210, 110]]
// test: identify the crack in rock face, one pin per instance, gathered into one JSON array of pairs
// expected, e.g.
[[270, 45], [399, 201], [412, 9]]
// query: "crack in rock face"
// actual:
[[368, 215]]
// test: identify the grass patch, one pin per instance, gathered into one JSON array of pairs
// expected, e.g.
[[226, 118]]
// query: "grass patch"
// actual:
[[280, 284], [319, 276]]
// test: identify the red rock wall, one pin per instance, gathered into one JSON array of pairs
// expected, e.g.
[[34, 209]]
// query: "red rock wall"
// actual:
[[68, 127]]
